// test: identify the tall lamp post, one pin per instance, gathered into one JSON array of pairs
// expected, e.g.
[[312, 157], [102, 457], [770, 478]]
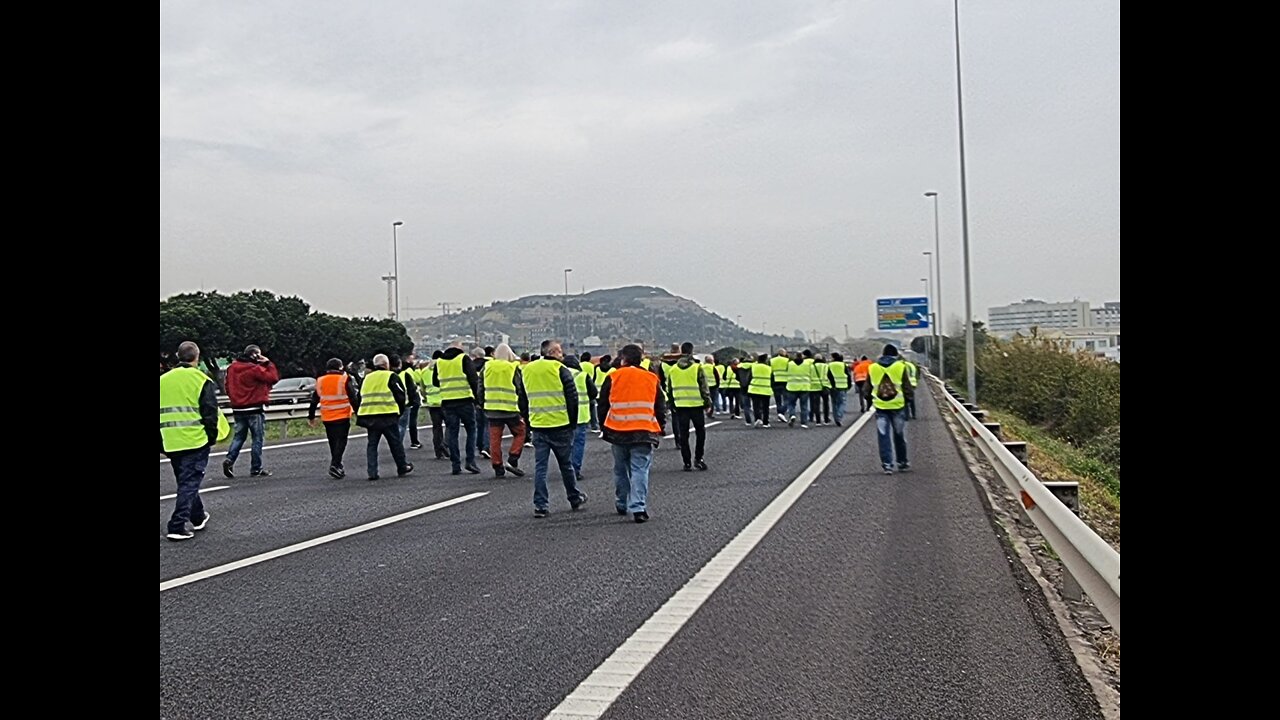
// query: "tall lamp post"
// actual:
[[395, 263], [933, 324], [567, 329], [964, 225], [937, 313]]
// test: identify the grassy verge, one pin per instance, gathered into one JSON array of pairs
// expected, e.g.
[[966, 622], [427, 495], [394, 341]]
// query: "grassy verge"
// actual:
[[298, 430], [1054, 460]]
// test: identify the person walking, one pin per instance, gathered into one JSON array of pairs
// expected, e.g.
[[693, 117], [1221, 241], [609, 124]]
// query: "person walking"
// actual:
[[478, 360], [553, 417], [634, 421], [587, 394], [434, 406], [838, 373], [887, 377], [412, 397], [760, 389], [779, 364], [382, 401], [456, 377], [687, 389], [860, 369], [337, 396], [249, 382], [190, 422], [505, 404]]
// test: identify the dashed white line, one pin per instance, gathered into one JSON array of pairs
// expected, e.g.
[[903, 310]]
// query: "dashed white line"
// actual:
[[602, 687], [203, 490], [710, 425], [299, 547]]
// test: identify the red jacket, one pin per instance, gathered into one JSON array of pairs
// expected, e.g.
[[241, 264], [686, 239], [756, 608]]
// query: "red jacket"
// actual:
[[249, 384]]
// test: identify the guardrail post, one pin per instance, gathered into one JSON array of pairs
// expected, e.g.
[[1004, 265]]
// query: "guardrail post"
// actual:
[[1019, 450], [994, 429], [968, 406], [284, 429], [1069, 494], [979, 415]]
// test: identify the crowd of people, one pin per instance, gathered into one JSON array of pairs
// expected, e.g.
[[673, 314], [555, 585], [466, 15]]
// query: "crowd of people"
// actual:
[[548, 401]]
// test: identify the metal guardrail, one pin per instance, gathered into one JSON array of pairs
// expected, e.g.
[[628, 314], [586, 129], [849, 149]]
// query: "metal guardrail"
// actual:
[[1093, 563], [292, 397]]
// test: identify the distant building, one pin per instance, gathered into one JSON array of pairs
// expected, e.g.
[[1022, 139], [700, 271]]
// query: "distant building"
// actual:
[[1021, 317], [1101, 341], [1107, 316]]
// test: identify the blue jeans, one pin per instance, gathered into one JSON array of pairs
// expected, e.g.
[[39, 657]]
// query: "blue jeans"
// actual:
[[392, 434], [744, 400], [255, 425], [464, 414], [898, 421], [482, 424], [405, 417], [560, 442], [631, 477], [838, 400], [188, 469], [801, 399], [579, 449]]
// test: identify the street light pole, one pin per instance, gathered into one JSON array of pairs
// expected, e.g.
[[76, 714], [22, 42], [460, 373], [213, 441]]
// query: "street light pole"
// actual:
[[933, 327], [395, 263], [567, 329], [964, 225], [937, 314]]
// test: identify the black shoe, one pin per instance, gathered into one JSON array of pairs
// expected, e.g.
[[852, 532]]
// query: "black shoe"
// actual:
[[486, 454], [342, 472], [539, 512], [903, 467], [579, 474], [442, 456], [621, 510], [416, 446], [499, 471], [180, 536], [839, 424], [372, 478], [408, 468], [582, 500], [202, 524], [260, 473], [228, 469], [642, 517], [456, 471], [473, 469], [334, 472], [514, 468], [688, 467], [701, 465]]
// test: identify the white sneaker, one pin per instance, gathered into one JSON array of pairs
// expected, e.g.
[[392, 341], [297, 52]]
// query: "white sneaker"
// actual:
[[177, 536], [203, 523]]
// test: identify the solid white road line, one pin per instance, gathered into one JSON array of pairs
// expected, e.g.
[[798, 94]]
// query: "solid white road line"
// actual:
[[594, 695], [203, 490], [221, 569]]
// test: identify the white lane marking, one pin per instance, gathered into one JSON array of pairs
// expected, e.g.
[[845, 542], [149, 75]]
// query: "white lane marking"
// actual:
[[273, 554], [594, 695], [710, 425], [296, 444], [203, 490]]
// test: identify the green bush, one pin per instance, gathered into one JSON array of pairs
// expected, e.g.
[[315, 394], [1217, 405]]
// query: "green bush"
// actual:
[[1074, 395]]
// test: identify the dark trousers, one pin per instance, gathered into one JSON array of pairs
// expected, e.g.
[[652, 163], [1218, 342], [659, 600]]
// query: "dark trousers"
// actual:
[[863, 402], [826, 406], [760, 403], [734, 408], [464, 414], [337, 431], [779, 397], [188, 470], [392, 434], [413, 425], [437, 430], [482, 425], [699, 418], [496, 426]]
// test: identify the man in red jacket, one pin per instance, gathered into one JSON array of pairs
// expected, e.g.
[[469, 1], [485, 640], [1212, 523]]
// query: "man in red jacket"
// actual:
[[249, 381]]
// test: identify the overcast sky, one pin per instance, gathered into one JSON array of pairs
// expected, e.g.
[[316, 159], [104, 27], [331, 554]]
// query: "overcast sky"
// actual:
[[764, 158]]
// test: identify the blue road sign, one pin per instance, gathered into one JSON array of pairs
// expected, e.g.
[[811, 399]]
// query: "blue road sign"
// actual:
[[910, 313]]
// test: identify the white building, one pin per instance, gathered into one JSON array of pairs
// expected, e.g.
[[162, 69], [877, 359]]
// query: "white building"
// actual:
[[1022, 317], [1107, 316], [1102, 341]]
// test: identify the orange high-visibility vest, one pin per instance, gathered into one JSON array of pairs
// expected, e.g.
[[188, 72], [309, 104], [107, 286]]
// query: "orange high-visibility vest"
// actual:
[[631, 395], [334, 403], [860, 370]]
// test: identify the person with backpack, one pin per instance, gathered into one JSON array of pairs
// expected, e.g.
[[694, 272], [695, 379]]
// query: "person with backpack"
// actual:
[[889, 381]]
